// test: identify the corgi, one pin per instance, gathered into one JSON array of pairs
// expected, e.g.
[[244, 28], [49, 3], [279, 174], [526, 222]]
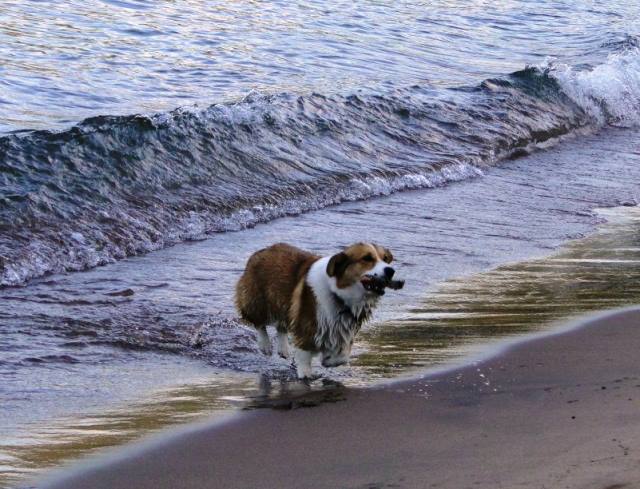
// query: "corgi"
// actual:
[[319, 302]]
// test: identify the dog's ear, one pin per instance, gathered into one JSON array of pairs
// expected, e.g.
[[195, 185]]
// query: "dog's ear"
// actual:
[[385, 253], [337, 264]]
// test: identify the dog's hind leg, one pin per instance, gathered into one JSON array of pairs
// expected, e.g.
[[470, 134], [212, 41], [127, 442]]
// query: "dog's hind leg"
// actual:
[[264, 343], [283, 341]]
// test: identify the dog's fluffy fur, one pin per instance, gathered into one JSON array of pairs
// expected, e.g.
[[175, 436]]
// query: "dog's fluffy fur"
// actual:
[[320, 302]]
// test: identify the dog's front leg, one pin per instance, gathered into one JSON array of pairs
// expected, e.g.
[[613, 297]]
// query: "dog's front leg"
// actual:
[[303, 363]]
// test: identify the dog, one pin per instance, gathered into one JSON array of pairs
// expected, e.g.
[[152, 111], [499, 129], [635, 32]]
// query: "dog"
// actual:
[[321, 302]]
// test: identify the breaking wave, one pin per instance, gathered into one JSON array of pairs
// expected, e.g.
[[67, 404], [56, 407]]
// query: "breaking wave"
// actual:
[[116, 186]]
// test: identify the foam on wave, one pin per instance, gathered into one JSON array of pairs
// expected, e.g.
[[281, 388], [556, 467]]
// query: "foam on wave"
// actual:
[[609, 92], [113, 187]]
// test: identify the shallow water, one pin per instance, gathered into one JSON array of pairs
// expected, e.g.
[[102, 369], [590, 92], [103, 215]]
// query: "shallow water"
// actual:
[[598, 272], [181, 302], [595, 273]]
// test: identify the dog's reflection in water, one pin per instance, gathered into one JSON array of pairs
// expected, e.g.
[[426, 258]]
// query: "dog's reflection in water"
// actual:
[[286, 392]]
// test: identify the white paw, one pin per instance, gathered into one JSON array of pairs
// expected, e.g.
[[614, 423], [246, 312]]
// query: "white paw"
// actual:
[[303, 363], [264, 343], [305, 373], [284, 353]]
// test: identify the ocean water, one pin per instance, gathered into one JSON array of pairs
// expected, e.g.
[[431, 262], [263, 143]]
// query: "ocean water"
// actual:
[[65, 61], [118, 168], [146, 149]]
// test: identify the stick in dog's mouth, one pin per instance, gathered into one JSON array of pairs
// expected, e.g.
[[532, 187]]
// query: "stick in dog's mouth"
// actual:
[[378, 284]]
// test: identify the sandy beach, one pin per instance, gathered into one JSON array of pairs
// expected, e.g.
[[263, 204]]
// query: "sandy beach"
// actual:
[[558, 411]]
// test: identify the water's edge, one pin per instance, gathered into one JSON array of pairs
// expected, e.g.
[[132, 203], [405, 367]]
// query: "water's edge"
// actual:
[[168, 436], [201, 398]]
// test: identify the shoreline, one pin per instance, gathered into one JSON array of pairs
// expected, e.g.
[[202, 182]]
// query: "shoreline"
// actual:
[[413, 433]]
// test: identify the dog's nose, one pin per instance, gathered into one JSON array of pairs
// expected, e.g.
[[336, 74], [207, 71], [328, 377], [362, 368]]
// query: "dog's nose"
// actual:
[[388, 272]]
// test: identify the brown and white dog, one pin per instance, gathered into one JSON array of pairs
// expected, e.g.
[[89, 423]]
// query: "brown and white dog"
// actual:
[[320, 301]]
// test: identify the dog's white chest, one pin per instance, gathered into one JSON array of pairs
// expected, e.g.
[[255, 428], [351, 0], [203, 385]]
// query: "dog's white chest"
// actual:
[[339, 317]]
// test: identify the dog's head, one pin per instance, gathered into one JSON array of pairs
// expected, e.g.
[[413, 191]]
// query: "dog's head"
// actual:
[[364, 264]]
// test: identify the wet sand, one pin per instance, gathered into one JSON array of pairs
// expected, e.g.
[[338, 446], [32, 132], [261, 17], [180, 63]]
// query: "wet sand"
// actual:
[[559, 411]]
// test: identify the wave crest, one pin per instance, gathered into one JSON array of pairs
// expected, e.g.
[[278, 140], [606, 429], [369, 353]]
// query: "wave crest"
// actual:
[[113, 187], [609, 92]]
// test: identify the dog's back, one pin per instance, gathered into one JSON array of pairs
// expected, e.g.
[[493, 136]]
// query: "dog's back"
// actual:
[[264, 291]]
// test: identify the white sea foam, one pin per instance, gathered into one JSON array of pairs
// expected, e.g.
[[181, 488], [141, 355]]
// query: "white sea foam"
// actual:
[[609, 92]]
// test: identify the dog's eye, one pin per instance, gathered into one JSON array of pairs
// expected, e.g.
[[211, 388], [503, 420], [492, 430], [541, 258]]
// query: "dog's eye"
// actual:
[[368, 258]]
